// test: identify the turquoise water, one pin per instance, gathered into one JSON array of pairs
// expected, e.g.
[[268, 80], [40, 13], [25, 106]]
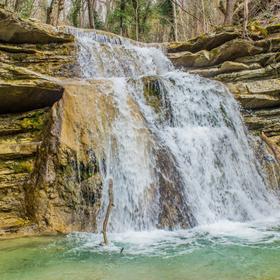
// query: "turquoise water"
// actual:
[[225, 250]]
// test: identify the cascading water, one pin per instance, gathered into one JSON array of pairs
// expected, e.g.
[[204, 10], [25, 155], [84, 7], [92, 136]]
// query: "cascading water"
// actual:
[[180, 158], [183, 161]]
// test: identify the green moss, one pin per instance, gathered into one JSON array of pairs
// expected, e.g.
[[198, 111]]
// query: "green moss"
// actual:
[[152, 93], [18, 165], [23, 166], [72, 167], [35, 121], [256, 28]]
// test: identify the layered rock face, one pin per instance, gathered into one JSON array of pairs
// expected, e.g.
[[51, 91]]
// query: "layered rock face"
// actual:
[[29, 51], [251, 69]]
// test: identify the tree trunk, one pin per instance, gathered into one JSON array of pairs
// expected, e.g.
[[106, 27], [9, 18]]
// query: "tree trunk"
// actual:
[[122, 26], [90, 4], [50, 12], [145, 17], [135, 5], [108, 12], [203, 16], [54, 10], [17, 5], [175, 24], [229, 12], [182, 23], [246, 18]]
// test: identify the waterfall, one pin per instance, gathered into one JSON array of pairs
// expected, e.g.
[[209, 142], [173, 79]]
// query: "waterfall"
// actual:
[[178, 151]]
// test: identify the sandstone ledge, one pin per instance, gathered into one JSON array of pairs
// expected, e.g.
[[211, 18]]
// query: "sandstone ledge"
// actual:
[[17, 30]]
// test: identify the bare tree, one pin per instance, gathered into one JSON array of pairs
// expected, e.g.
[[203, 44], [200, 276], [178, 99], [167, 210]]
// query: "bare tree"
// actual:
[[135, 4], [91, 8], [17, 5], [54, 10], [229, 11], [108, 4], [175, 24], [122, 25], [246, 18]]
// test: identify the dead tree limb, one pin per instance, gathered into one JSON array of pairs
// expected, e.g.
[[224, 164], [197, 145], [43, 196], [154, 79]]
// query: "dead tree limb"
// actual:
[[246, 19], [108, 211]]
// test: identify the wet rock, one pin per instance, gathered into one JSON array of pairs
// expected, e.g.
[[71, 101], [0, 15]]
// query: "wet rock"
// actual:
[[65, 191], [268, 87], [264, 120], [271, 71], [57, 60], [174, 210]]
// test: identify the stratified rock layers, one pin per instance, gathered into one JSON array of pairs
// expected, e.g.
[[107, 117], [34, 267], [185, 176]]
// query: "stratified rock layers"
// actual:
[[29, 52]]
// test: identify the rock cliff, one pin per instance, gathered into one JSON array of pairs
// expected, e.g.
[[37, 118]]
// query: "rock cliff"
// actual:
[[29, 52]]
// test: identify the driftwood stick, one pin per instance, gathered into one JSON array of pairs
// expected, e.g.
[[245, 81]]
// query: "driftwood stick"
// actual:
[[108, 211]]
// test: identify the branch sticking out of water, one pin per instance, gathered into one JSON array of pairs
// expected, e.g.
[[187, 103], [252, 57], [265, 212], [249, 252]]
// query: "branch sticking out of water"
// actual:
[[109, 209]]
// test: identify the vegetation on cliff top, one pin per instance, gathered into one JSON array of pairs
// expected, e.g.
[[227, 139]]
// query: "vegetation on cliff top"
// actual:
[[150, 20]]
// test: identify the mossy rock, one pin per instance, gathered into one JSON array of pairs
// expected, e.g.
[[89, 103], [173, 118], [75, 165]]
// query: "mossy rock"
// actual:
[[152, 92], [16, 30], [228, 51], [203, 42], [12, 124]]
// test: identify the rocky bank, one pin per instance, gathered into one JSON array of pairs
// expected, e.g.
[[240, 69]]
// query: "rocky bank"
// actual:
[[49, 176]]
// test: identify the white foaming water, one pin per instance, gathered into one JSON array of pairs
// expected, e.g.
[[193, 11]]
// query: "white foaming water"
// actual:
[[206, 134], [161, 243], [101, 56], [203, 135]]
